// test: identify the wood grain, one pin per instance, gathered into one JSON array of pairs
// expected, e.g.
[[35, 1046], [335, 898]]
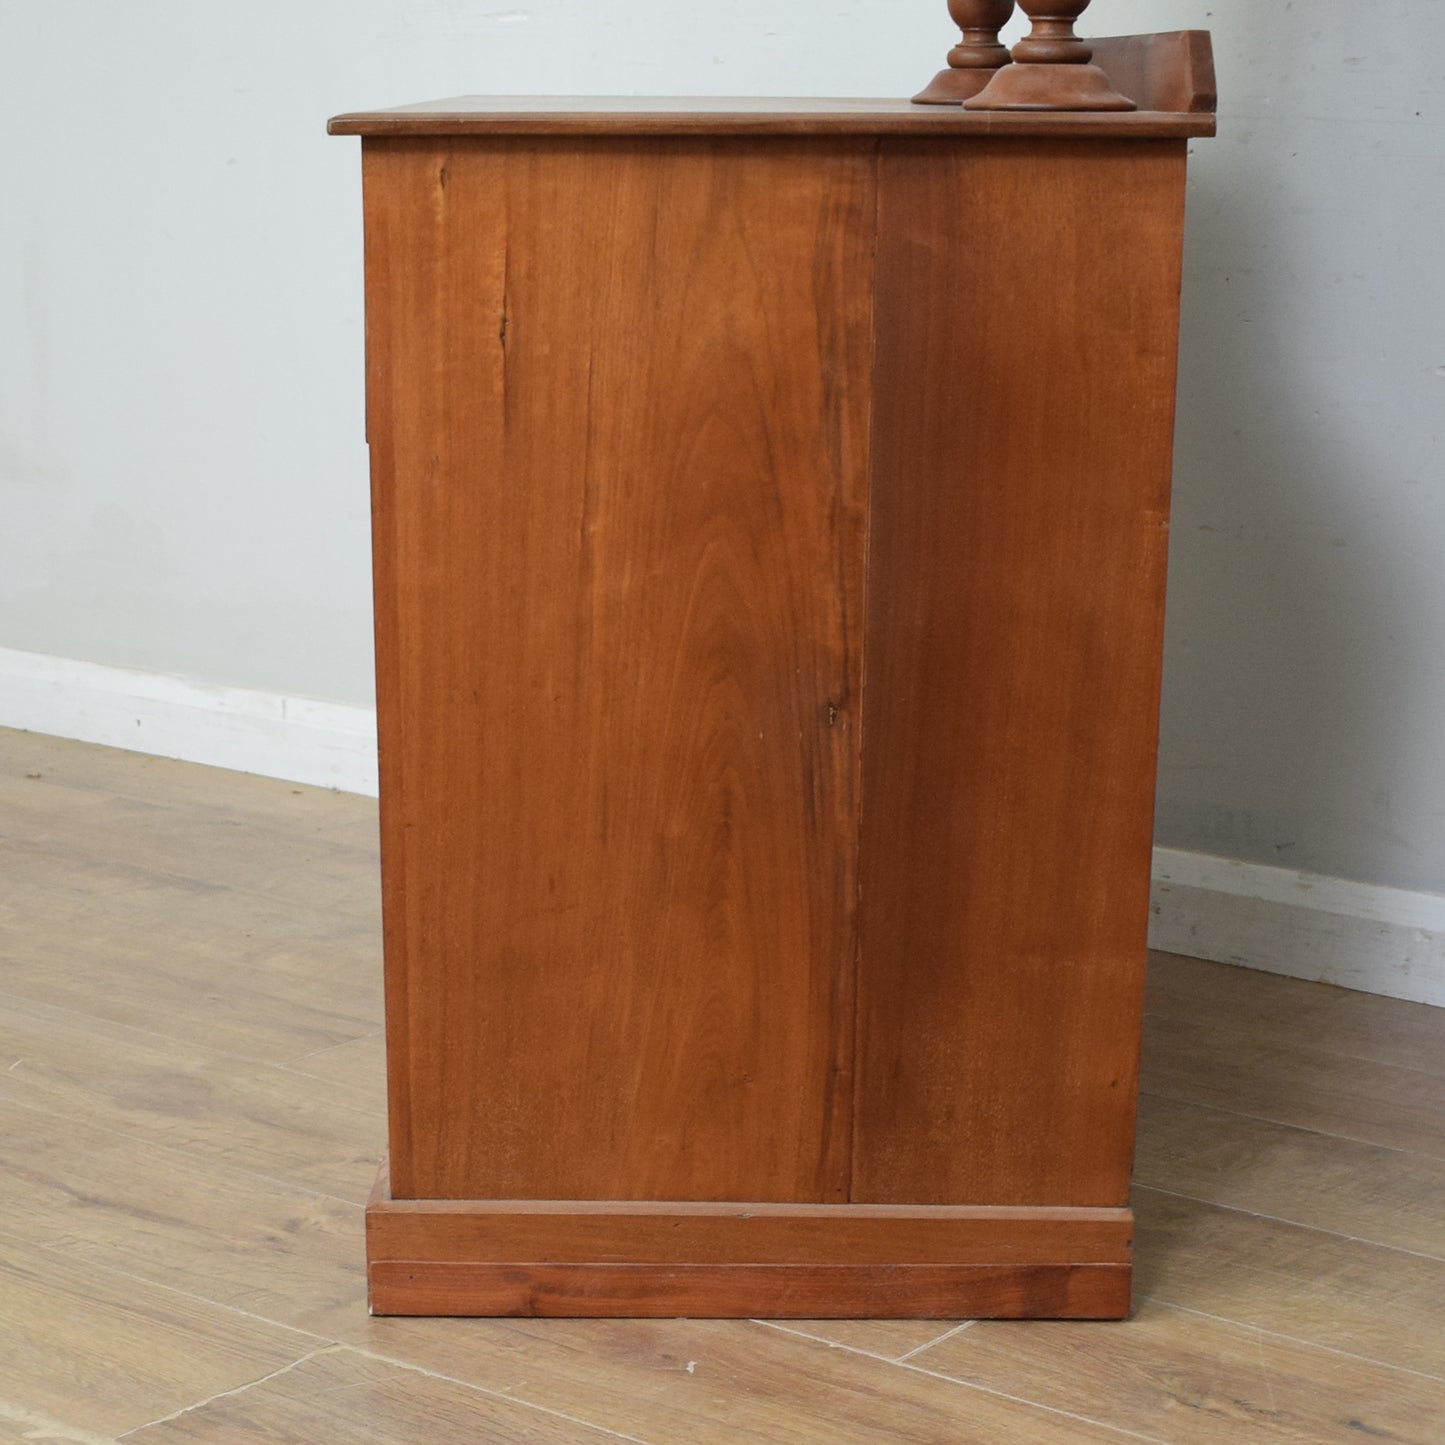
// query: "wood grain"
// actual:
[[1288, 1081], [345, 1397], [1386, 1196], [723, 1382], [1169, 71], [195, 846], [55, 768], [635, 1232], [617, 401], [975, 56], [20, 1425], [359, 1066], [177, 876], [619, 404], [1196, 1381], [1321, 1306], [1241, 1004], [1016, 574], [512, 115], [188, 1224], [205, 1103], [108, 1353], [732, 1291], [283, 1013], [821, 1261], [1307, 1284], [1052, 67], [883, 1339]]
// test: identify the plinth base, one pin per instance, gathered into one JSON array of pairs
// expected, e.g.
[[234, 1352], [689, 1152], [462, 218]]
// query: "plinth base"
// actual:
[[576, 1258]]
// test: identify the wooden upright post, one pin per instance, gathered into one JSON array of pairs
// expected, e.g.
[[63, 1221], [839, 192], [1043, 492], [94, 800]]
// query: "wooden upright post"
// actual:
[[974, 59], [1051, 67]]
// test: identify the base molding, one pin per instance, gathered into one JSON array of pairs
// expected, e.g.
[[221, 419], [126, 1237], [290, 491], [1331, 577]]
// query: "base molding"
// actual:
[[330, 745], [751, 1291], [591, 1258], [1305, 925]]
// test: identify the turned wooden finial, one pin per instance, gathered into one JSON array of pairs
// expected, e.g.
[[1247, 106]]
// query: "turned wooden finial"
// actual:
[[1051, 67], [972, 62]]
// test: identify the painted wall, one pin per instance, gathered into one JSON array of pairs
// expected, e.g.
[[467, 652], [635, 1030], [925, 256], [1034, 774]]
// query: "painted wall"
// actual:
[[1304, 714], [182, 475]]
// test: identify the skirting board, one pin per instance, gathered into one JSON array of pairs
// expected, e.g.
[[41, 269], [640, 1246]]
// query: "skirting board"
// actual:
[[1329, 930], [1380, 940], [328, 744]]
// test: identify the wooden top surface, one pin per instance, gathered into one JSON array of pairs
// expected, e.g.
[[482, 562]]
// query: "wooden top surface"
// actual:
[[718, 115], [1170, 76]]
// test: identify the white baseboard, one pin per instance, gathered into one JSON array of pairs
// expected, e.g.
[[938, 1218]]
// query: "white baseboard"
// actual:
[[1380, 940], [325, 743], [1358, 935]]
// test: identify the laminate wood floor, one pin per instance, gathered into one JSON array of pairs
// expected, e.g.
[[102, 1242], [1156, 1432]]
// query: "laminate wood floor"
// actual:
[[191, 1113]]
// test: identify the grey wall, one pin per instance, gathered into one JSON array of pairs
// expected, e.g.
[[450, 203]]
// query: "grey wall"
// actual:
[[182, 475], [1304, 711]]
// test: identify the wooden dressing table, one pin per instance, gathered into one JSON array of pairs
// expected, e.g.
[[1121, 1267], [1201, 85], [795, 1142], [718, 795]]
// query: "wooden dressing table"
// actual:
[[770, 520]]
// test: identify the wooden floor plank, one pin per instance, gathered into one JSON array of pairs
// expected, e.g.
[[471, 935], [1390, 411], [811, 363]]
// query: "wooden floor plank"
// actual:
[[62, 763], [1311, 1286], [258, 1117], [201, 965], [194, 1092], [887, 1339], [108, 1353], [344, 1398], [205, 847], [1334, 1020], [358, 1066], [20, 1425], [1385, 1196], [1195, 1381], [323, 969], [186, 1223], [718, 1382], [1287, 1080]]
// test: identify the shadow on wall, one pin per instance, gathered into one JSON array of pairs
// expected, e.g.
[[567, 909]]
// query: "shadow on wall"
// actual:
[[1299, 686]]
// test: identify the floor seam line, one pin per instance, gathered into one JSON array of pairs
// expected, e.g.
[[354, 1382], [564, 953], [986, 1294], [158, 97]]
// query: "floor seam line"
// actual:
[[495, 1394], [1295, 1339], [1288, 1124], [788, 1329], [100, 1264], [130, 1138], [1293, 1223], [224, 1394], [1035, 1404], [958, 1329]]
